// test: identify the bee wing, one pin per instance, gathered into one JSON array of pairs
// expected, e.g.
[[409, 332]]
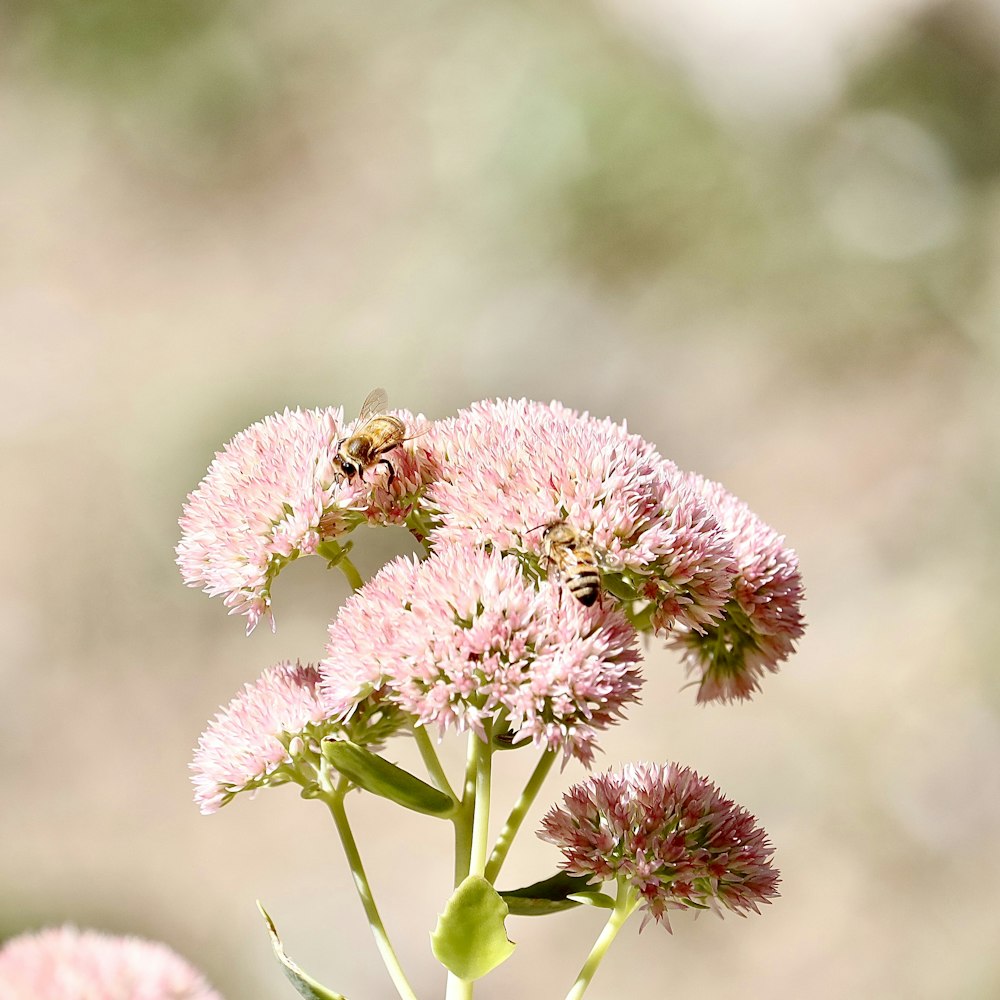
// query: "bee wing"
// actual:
[[375, 402]]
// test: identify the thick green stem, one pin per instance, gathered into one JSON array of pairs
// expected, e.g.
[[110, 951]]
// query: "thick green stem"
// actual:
[[627, 901], [458, 989], [463, 818], [472, 830], [517, 814], [431, 760], [350, 571], [481, 816], [335, 801]]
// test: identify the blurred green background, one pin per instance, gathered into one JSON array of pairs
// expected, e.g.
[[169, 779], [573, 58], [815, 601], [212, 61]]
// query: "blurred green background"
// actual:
[[764, 234]]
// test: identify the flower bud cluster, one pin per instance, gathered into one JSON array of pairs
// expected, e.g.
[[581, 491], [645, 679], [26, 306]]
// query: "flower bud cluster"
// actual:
[[670, 835], [762, 619]]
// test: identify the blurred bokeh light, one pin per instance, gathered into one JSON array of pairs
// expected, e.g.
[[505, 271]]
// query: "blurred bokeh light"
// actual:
[[765, 235]]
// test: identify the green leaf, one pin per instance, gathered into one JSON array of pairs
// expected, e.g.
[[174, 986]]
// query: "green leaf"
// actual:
[[641, 616], [616, 585], [552, 895], [594, 898], [375, 774], [505, 741], [470, 938], [307, 987], [332, 551]]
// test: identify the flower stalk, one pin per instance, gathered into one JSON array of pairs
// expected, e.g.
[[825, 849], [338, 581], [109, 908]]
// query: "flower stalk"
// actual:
[[483, 754], [625, 904], [350, 572], [334, 798], [517, 814], [431, 760], [472, 829]]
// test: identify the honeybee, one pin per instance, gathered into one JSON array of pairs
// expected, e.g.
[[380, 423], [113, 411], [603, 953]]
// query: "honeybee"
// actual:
[[574, 557], [378, 433]]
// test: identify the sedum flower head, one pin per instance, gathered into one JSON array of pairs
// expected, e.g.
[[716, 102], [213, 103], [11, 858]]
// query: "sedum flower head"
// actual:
[[669, 834], [465, 638], [763, 617], [273, 494], [246, 745], [69, 964], [269, 734], [511, 467]]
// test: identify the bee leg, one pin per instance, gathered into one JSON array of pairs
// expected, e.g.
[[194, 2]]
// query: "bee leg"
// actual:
[[392, 471]]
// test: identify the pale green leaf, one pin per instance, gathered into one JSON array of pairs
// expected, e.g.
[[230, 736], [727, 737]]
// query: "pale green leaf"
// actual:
[[375, 774], [594, 898], [307, 987], [470, 939]]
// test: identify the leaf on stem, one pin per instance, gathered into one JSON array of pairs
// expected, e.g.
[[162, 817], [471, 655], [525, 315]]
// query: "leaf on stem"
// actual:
[[375, 774], [505, 741], [332, 552], [553, 895], [307, 987], [616, 585], [470, 938]]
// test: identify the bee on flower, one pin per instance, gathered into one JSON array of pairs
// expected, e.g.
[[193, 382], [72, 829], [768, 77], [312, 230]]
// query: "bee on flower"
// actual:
[[377, 434], [573, 556]]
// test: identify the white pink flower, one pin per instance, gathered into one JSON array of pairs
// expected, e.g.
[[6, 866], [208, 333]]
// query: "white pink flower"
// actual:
[[69, 964], [270, 732], [763, 616], [274, 494], [246, 745], [511, 467], [669, 834], [466, 637]]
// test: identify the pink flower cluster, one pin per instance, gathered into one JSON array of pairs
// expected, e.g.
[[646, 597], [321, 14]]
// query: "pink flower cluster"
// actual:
[[272, 494], [465, 637], [763, 618], [247, 744], [699, 567], [511, 467], [485, 630], [69, 964], [270, 733], [669, 834]]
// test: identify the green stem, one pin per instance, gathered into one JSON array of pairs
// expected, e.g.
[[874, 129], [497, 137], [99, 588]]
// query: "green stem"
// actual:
[[628, 900], [350, 571], [431, 760], [335, 800], [472, 830], [481, 816], [463, 818], [458, 989], [517, 814]]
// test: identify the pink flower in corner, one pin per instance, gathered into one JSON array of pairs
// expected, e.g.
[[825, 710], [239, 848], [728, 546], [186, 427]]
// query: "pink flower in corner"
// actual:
[[68, 964], [669, 834], [763, 617], [274, 494], [511, 467], [465, 637]]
